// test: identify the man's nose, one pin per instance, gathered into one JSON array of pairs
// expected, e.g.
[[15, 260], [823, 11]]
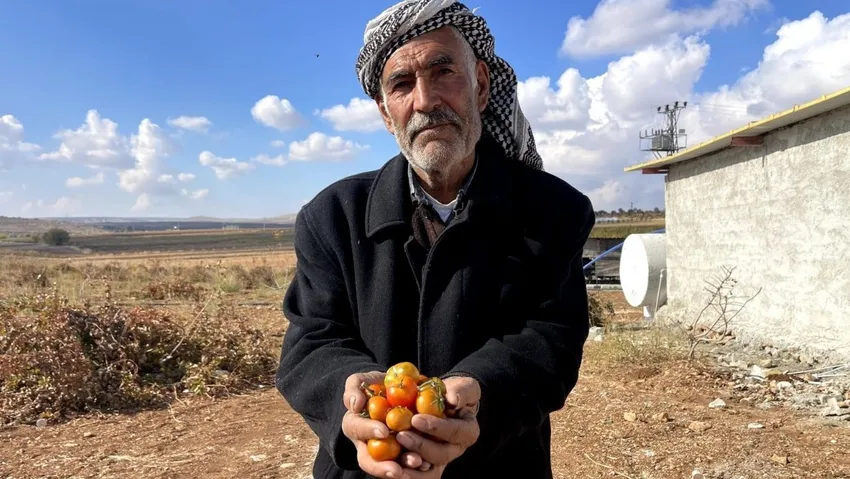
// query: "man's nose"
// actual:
[[425, 96]]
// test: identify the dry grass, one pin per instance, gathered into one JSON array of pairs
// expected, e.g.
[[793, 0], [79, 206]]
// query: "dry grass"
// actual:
[[156, 278]]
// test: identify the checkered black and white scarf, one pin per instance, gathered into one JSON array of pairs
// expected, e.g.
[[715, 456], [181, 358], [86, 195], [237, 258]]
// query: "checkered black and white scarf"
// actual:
[[502, 119]]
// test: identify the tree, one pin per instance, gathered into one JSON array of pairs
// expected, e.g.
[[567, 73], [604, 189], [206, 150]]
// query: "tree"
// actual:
[[56, 237]]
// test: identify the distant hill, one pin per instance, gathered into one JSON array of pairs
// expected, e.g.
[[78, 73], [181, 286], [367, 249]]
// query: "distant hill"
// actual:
[[14, 227]]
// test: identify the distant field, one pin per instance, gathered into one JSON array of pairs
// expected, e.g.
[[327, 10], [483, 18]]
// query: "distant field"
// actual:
[[621, 230], [185, 240]]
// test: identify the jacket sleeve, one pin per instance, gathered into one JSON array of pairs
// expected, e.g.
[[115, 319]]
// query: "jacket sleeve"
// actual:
[[528, 375], [321, 347]]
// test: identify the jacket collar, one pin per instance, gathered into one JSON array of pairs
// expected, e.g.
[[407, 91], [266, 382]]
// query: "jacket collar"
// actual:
[[390, 199]]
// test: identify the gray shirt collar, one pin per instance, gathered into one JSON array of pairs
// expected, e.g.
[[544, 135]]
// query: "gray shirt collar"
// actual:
[[418, 194]]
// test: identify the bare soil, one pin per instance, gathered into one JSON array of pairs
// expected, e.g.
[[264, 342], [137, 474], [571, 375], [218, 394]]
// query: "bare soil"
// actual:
[[594, 435]]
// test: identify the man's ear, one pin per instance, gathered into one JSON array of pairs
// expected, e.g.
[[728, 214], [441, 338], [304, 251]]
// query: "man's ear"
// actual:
[[385, 115], [482, 78]]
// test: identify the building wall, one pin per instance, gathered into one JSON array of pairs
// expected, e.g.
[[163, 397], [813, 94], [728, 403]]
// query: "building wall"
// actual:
[[780, 214]]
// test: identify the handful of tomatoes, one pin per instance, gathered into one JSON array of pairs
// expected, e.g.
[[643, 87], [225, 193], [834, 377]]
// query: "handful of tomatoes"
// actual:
[[404, 392]]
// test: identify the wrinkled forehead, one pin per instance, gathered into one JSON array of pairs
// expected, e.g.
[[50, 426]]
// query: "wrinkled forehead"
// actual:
[[437, 47]]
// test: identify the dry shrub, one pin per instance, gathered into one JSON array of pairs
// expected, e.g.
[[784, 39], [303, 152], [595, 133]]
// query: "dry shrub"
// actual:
[[57, 358], [179, 289], [601, 310], [261, 276]]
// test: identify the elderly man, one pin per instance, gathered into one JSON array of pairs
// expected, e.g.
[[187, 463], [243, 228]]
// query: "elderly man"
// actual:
[[459, 255]]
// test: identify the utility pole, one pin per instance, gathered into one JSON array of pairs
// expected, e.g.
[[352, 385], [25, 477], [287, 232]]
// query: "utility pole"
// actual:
[[669, 139]]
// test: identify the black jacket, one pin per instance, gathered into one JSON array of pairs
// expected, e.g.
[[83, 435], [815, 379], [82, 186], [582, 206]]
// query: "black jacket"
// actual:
[[501, 298]]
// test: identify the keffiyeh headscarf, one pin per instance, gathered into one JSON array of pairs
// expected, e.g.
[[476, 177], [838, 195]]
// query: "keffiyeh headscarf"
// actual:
[[503, 118]]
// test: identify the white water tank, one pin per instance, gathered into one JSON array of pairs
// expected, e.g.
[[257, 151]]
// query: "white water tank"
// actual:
[[643, 275]]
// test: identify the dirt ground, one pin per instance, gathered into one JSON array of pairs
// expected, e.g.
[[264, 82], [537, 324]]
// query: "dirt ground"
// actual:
[[637, 412]]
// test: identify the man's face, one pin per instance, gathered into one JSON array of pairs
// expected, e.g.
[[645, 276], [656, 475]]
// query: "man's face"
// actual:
[[433, 98]]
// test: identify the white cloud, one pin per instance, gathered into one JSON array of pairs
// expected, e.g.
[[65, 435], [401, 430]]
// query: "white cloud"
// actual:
[[808, 59], [621, 26], [198, 124], [359, 115], [587, 129], [67, 205], [12, 145], [149, 147], [224, 168], [195, 195], [318, 146], [607, 196], [5, 195], [64, 205], [276, 113], [186, 177], [565, 108], [265, 159], [96, 143], [277, 144], [143, 202], [77, 182]]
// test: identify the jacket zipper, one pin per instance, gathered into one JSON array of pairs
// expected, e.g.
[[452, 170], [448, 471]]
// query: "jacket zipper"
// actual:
[[426, 268]]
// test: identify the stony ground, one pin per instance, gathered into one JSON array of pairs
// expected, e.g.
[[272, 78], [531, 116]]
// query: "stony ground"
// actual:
[[639, 411]]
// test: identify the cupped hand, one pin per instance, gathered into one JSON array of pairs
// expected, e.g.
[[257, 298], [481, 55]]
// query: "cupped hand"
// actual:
[[439, 441], [360, 429]]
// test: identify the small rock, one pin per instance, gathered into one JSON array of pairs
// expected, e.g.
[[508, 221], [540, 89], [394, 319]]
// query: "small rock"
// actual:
[[806, 359], [784, 385], [88, 434], [717, 403], [757, 372], [699, 426], [697, 474], [287, 465], [661, 417], [41, 423], [259, 457], [754, 425], [832, 408], [594, 333], [779, 459], [767, 363], [630, 416], [739, 364]]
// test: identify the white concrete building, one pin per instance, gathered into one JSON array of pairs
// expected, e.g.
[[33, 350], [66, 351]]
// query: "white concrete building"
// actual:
[[772, 200]]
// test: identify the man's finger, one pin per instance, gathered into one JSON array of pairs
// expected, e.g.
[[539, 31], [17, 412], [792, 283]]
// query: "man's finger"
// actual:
[[430, 451], [462, 392], [359, 428], [410, 460], [387, 469], [353, 397], [462, 431]]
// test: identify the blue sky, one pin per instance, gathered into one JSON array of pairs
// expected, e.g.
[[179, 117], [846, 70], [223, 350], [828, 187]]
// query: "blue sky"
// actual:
[[139, 64]]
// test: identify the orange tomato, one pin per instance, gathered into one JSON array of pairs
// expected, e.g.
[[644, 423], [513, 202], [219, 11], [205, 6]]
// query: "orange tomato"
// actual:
[[374, 390], [435, 383], [398, 418], [378, 407], [430, 401], [402, 392], [401, 369], [387, 449]]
